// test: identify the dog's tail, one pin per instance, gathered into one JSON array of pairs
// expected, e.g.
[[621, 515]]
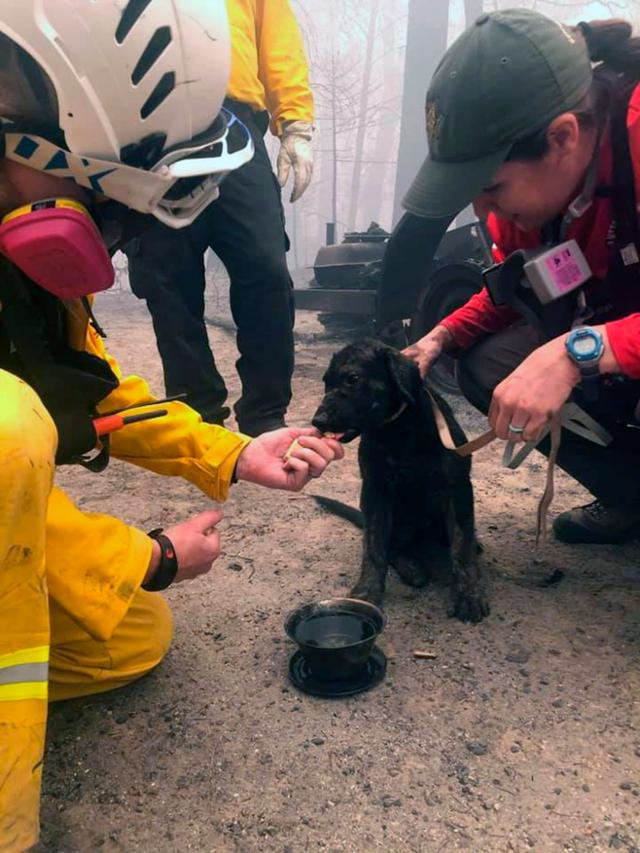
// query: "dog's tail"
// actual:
[[342, 510]]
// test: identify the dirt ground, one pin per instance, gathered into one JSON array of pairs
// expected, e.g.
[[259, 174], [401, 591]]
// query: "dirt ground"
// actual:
[[523, 734]]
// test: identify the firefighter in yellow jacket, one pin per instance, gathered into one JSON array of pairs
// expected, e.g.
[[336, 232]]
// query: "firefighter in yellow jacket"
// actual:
[[268, 87], [102, 121]]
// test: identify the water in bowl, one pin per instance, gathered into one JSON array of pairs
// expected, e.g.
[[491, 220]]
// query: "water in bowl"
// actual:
[[334, 630]]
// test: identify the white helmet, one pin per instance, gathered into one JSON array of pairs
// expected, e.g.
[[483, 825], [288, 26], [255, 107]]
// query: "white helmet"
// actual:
[[139, 87]]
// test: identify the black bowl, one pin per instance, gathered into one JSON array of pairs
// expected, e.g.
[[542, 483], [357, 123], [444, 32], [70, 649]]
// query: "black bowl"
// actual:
[[335, 636]]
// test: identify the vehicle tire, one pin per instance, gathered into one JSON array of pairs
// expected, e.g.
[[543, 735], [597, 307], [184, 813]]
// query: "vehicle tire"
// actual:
[[447, 288]]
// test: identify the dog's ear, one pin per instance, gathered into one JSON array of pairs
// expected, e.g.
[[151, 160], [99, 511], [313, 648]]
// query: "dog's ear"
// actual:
[[404, 375]]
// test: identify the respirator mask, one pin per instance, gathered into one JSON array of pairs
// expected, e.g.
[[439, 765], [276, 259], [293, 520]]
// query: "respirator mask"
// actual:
[[56, 243]]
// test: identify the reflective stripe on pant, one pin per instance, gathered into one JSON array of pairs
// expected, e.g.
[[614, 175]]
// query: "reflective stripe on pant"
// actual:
[[24, 674], [80, 664], [27, 448]]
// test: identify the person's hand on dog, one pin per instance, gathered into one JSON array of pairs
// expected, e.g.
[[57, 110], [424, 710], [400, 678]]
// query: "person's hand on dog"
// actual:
[[263, 461], [429, 348], [524, 402], [196, 543]]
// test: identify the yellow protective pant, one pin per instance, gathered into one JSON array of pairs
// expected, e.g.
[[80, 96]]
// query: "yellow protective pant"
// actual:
[[46, 653]]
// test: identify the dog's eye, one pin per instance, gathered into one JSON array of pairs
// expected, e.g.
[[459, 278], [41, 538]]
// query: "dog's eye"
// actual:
[[352, 379]]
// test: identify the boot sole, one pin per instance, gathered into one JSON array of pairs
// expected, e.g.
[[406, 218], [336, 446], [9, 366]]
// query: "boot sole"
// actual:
[[573, 534]]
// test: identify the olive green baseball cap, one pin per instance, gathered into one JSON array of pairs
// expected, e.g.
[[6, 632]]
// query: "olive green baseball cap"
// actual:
[[506, 77]]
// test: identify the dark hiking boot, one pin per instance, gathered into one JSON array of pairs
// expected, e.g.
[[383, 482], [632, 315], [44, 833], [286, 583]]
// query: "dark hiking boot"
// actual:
[[597, 524]]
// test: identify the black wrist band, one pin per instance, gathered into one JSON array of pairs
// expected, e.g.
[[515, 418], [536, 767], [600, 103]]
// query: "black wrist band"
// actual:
[[165, 574]]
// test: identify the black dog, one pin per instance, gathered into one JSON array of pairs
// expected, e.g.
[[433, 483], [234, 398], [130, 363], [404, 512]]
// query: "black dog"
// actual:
[[417, 498]]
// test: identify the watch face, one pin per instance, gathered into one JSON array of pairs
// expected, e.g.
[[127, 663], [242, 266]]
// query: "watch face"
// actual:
[[585, 346]]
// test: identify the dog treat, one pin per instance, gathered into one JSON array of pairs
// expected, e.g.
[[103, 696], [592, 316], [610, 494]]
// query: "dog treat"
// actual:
[[424, 655], [294, 444]]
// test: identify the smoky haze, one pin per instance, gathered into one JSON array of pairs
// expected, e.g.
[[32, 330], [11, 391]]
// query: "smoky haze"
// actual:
[[371, 61]]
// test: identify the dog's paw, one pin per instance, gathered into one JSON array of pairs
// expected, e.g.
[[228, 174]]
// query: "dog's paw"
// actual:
[[470, 608], [367, 592]]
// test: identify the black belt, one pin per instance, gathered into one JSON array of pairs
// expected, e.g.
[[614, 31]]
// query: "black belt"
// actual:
[[248, 114]]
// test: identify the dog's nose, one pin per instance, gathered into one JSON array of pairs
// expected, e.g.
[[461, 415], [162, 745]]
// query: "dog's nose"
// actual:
[[320, 421]]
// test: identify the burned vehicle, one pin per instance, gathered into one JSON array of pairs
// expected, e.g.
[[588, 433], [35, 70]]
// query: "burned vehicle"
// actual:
[[401, 284]]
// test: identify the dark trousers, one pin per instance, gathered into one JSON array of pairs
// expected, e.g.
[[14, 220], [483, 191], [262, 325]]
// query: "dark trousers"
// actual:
[[611, 474], [245, 228]]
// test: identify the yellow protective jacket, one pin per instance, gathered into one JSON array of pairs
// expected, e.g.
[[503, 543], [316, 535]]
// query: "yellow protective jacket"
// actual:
[[180, 444], [268, 63]]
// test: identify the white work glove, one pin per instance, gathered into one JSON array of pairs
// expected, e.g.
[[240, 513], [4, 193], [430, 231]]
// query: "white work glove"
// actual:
[[296, 152]]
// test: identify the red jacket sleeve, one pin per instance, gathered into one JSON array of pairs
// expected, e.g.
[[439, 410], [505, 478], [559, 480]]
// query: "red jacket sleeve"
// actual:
[[624, 335], [478, 318], [624, 338]]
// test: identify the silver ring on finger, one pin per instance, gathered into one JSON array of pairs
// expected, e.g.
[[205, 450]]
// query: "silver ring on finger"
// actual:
[[517, 429]]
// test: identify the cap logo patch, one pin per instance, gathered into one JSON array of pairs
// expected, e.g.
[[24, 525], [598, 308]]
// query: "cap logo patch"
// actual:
[[434, 122]]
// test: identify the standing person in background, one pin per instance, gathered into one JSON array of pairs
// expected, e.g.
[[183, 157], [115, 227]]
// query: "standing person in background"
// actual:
[[268, 87]]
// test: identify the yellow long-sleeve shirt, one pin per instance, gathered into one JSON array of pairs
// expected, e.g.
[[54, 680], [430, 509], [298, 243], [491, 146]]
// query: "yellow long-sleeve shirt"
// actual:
[[268, 63]]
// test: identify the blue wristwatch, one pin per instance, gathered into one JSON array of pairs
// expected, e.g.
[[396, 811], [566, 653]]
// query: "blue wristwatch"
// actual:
[[585, 347]]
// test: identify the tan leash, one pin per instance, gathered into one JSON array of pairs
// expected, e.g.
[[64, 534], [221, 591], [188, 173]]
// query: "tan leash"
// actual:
[[486, 438], [447, 439], [547, 496], [571, 416]]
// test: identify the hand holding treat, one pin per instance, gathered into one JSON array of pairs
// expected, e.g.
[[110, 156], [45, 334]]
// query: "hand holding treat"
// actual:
[[287, 458]]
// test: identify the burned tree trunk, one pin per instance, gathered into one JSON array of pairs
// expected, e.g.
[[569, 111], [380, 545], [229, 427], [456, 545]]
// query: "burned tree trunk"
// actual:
[[472, 10], [376, 190], [363, 112], [427, 28]]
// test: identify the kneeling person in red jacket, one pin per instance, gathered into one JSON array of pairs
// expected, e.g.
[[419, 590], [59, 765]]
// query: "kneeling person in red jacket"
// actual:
[[539, 128]]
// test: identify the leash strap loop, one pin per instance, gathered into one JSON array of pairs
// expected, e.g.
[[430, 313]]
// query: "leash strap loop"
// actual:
[[571, 417]]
